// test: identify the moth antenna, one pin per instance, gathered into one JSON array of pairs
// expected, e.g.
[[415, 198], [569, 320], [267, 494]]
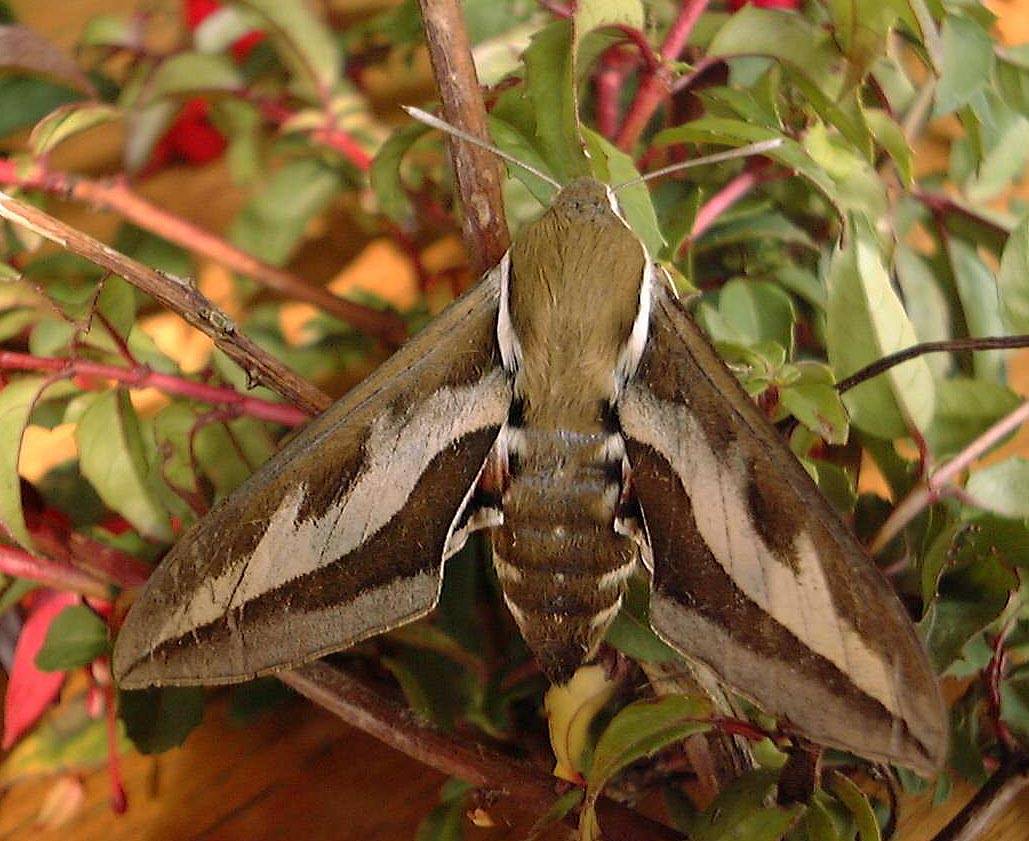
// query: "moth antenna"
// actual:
[[758, 148], [436, 123]]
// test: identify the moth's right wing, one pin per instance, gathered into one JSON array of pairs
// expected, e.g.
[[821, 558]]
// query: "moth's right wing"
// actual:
[[342, 534], [754, 574]]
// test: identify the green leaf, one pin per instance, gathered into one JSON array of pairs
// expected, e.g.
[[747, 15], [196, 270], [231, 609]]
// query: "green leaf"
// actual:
[[860, 28], [741, 812], [76, 637], [615, 168], [305, 44], [754, 311], [1003, 487], [631, 633], [866, 322], [964, 409], [857, 803], [189, 73], [643, 728], [1013, 278], [980, 302], [971, 596], [926, 304], [159, 719], [730, 132], [1014, 694], [384, 175], [857, 186], [819, 408], [17, 400], [1003, 164], [549, 87], [112, 458], [514, 142], [785, 36], [273, 222], [967, 64], [68, 120], [890, 137]]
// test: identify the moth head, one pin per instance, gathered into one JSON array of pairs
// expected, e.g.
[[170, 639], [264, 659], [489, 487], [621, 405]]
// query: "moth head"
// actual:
[[585, 198]]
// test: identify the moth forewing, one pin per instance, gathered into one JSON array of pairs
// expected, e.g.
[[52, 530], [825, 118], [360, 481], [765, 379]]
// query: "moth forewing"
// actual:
[[342, 534], [754, 574]]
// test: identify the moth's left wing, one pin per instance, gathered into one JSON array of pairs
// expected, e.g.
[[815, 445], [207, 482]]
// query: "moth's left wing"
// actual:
[[754, 574], [343, 533]]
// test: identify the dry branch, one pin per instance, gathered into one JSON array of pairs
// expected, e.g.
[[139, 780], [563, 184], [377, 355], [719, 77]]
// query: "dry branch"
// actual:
[[477, 172], [180, 296]]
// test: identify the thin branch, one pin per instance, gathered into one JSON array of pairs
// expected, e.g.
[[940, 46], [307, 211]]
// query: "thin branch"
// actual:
[[352, 700], [1007, 783], [20, 564], [887, 362], [477, 172], [117, 197], [929, 490], [177, 294], [141, 376], [656, 85]]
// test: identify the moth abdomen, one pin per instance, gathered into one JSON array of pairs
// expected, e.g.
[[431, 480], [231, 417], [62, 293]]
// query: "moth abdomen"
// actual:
[[561, 564]]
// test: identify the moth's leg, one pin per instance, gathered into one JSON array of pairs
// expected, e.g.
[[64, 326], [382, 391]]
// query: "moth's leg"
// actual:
[[629, 520], [481, 508]]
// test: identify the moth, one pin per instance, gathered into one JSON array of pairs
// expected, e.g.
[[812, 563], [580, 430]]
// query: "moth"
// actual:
[[568, 406]]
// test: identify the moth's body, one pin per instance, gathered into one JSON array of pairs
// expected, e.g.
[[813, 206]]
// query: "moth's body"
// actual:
[[566, 333], [569, 404]]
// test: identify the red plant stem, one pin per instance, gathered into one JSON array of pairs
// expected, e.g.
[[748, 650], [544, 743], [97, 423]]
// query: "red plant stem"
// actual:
[[608, 84], [335, 138], [655, 85], [20, 564], [116, 196], [119, 802], [725, 198], [141, 376], [330, 136]]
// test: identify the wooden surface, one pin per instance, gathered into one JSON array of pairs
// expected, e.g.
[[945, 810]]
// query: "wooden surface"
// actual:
[[298, 773]]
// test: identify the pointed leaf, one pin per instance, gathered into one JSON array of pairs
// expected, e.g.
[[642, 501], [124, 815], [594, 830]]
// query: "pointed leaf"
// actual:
[[69, 120], [866, 321], [76, 637], [112, 458], [643, 728], [190, 73]]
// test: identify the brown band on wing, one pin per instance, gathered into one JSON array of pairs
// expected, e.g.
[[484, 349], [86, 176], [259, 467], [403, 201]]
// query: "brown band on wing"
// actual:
[[408, 548], [689, 576], [694, 375]]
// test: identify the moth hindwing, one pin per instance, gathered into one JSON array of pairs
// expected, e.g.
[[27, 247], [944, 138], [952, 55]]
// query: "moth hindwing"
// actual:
[[568, 405]]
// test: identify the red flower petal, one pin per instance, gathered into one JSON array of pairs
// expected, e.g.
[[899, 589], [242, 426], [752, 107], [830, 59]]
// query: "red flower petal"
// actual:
[[30, 691], [194, 11]]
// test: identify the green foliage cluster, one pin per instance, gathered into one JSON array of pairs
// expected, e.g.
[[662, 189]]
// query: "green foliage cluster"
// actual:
[[844, 250]]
